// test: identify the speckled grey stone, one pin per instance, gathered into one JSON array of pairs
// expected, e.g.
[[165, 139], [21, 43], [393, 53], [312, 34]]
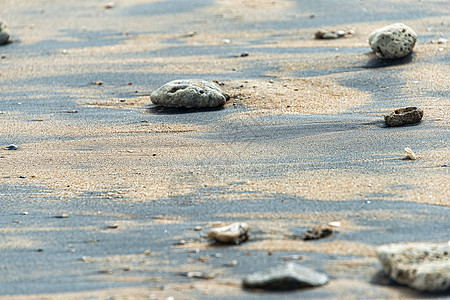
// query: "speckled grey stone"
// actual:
[[404, 116], [285, 277], [393, 41], [422, 266], [189, 94], [4, 33]]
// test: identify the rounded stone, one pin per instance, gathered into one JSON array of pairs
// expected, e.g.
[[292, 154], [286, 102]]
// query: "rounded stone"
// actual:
[[404, 116], [235, 233], [189, 94], [4, 33], [393, 41]]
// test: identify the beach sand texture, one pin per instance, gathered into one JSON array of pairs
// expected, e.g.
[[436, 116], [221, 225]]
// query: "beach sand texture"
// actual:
[[302, 142]]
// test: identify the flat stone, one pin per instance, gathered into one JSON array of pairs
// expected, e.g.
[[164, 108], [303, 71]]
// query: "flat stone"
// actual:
[[189, 94], [4, 33], [393, 41], [329, 34], [12, 147], [288, 276], [404, 116], [235, 233], [422, 266]]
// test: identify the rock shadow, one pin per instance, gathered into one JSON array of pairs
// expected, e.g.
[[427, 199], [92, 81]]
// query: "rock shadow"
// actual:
[[376, 63], [160, 110], [381, 279]]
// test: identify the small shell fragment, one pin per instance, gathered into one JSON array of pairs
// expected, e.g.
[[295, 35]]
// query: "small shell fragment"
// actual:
[[409, 154], [335, 224]]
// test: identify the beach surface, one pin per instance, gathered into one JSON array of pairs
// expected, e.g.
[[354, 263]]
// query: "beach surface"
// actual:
[[109, 196]]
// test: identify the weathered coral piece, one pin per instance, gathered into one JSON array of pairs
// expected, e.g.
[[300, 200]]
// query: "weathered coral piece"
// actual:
[[409, 154], [317, 233], [422, 266], [393, 41], [189, 94], [404, 116], [235, 233]]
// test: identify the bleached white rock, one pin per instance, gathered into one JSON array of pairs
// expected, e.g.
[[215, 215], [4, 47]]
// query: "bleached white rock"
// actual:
[[422, 266], [393, 41]]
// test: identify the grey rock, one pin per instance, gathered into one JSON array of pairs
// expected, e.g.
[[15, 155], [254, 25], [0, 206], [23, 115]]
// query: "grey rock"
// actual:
[[235, 233], [422, 266], [285, 277], [393, 41], [4, 33], [404, 116], [329, 34], [189, 94]]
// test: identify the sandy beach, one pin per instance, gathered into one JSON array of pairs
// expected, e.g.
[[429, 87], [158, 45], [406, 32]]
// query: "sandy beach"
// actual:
[[104, 185]]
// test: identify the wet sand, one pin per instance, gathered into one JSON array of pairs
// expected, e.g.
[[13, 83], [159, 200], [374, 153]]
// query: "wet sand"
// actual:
[[301, 142]]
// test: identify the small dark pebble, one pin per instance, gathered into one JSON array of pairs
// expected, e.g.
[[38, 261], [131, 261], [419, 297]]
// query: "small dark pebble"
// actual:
[[12, 147], [72, 111], [22, 176], [245, 54], [39, 250]]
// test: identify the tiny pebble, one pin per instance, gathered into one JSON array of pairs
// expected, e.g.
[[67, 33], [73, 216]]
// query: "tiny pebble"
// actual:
[[232, 263], [218, 255], [22, 176], [198, 228], [63, 216], [64, 51], [23, 213], [441, 49], [113, 226], [292, 257], [245, 54], [203, 258], [226, 41], [109, 5], [442, 41]]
